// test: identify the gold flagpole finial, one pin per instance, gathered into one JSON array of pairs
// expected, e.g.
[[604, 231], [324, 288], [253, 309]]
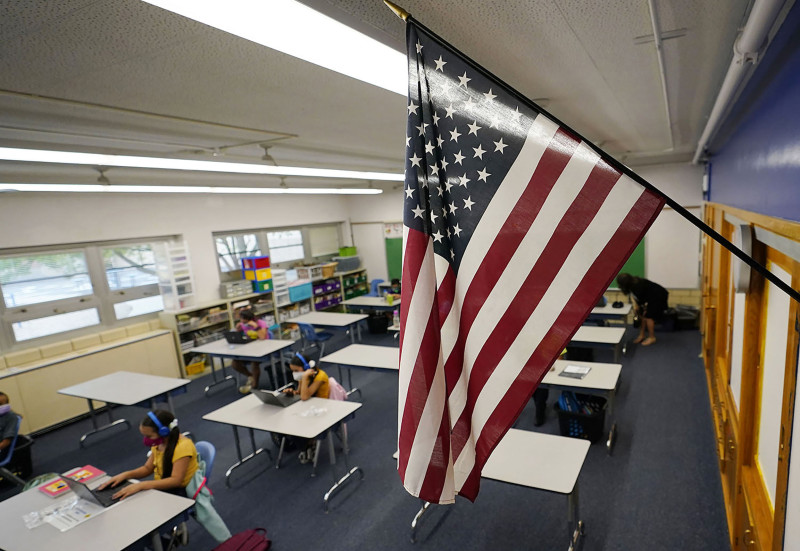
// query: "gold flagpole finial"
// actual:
[[398, 11]]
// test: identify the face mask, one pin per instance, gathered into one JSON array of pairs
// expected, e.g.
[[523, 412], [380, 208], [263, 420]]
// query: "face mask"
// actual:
[[298, 375], [150, 442], [5, 408]]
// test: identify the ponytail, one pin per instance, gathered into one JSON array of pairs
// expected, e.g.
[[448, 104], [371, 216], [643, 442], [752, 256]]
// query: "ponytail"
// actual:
[[167, 420]]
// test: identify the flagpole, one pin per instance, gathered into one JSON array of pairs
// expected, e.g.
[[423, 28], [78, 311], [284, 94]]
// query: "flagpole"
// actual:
[[702, 226]]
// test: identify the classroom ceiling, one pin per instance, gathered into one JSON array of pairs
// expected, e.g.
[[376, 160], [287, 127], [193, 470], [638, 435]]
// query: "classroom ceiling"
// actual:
[[122, 76]]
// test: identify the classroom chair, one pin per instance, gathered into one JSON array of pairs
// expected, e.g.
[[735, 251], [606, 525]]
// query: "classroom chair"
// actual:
[[373, 288], [207, 452], [310, 335], [4, 471]]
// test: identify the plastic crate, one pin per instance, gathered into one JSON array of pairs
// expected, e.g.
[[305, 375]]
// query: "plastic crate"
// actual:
[[255, 262], [262, 274], [348, 263], [309, 272], [196, 367], [282, 297], [300, 292], [262, 286], [587, 426], [347, 251]]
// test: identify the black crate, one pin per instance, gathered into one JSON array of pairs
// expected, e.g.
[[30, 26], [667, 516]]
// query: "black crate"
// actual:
[[21, 463], [378, 323], [581, 425]]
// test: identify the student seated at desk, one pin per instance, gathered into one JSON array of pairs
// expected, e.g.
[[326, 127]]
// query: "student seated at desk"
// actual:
[[8, 423], [175, 468], [255, 329], [310, 382]]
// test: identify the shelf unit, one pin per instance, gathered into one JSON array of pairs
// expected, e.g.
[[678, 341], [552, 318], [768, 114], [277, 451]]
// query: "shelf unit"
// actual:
[[174, 274], [354, 283]]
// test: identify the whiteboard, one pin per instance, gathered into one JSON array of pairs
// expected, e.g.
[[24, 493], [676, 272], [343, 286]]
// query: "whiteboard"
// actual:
[[371, 245], [672, 251], [791, 535], [775, 343]]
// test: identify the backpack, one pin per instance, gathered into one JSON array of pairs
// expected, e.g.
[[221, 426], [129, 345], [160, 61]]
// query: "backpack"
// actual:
[[335, 390], [254, 539]]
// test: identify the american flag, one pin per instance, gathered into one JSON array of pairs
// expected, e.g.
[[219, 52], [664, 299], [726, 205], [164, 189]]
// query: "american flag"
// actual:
[[513, 228]]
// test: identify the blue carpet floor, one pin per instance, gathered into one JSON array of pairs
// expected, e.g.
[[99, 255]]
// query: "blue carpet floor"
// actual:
[[658, 490]]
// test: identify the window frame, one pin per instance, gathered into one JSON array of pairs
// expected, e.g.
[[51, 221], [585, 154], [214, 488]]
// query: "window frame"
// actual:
[[102, 297]]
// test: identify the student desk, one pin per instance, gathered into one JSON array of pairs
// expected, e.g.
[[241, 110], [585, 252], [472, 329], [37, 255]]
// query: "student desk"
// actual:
[[117, 527], [554, 463], [295, 420], [123, 388], [588, 336], [601, 380], [333, 320], [253, 351], [608, 312], [364, 356], [372, 303]]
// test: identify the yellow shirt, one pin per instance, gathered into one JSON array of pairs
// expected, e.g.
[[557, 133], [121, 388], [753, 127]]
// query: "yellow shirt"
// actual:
[[324, 389], [184, 448]]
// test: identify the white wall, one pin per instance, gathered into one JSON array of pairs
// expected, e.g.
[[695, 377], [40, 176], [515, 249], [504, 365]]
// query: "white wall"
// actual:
[[35, 219], [672, 245], [368, 213]]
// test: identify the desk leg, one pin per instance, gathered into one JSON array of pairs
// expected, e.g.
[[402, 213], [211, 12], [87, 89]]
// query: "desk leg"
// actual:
[[111, 422], [612, 433], [617, 352], [575, 527], [337, 484], [274, 369], [243, 460], [217, 380], [416, 520], [155, 539]]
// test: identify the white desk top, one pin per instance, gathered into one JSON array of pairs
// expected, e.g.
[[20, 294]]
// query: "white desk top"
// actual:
[[371, 302], [394, 327], [115, 528], [599, 335], [331, 319], [366, 355], [295, 420], [253, 349], [609, 310], [537, 460], [124, 388], [602, 376]]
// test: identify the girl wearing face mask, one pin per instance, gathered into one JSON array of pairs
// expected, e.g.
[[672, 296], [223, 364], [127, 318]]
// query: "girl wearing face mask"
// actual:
[[175, 468], [172, 461], [310, 381]]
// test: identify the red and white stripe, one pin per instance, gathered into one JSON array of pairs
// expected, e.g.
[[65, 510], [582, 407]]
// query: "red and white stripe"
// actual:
[[474, 348]]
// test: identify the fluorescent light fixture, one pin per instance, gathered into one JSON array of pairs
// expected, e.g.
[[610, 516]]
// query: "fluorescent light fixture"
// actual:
[[95, 159], [299, 31], [97, 188]]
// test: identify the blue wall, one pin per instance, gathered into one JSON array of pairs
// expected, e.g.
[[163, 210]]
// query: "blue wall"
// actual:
[[755, 162]]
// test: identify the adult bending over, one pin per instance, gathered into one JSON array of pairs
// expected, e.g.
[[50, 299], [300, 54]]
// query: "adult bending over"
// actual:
[[650, 303]]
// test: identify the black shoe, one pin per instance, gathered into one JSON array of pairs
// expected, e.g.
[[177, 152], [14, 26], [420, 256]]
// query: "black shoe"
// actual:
[[539, 421]]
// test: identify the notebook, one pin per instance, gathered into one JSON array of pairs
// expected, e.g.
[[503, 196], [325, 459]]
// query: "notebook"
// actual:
[[100, 497], [575, 371], [236, 337], [275, 398], [83, 474]]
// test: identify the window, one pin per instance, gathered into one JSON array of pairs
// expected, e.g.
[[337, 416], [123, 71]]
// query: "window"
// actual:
[[285, 246], [49, 292], [132, 280], [232, 248]]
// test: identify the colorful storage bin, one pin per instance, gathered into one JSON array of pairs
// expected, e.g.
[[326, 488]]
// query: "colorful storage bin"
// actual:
[[260, 274], [262, 286], [255, 262], [300, 292]]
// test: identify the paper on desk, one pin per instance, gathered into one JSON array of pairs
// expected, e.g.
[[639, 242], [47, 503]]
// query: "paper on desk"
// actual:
[[575, 371], [64, 514]]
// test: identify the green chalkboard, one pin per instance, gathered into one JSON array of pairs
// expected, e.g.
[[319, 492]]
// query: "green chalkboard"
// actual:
[[634, 265], [394, 257]]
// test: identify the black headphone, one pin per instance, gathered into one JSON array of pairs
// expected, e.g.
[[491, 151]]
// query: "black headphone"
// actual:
[[306, 365], [162, 430]]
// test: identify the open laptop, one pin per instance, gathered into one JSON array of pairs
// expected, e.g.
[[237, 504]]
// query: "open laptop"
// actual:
[[236, 337], [100, 497], [275, 398]]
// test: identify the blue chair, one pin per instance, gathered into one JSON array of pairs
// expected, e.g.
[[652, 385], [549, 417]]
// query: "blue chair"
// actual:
[[373, 288], [4, 472], [207, 452], [311, 336]]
